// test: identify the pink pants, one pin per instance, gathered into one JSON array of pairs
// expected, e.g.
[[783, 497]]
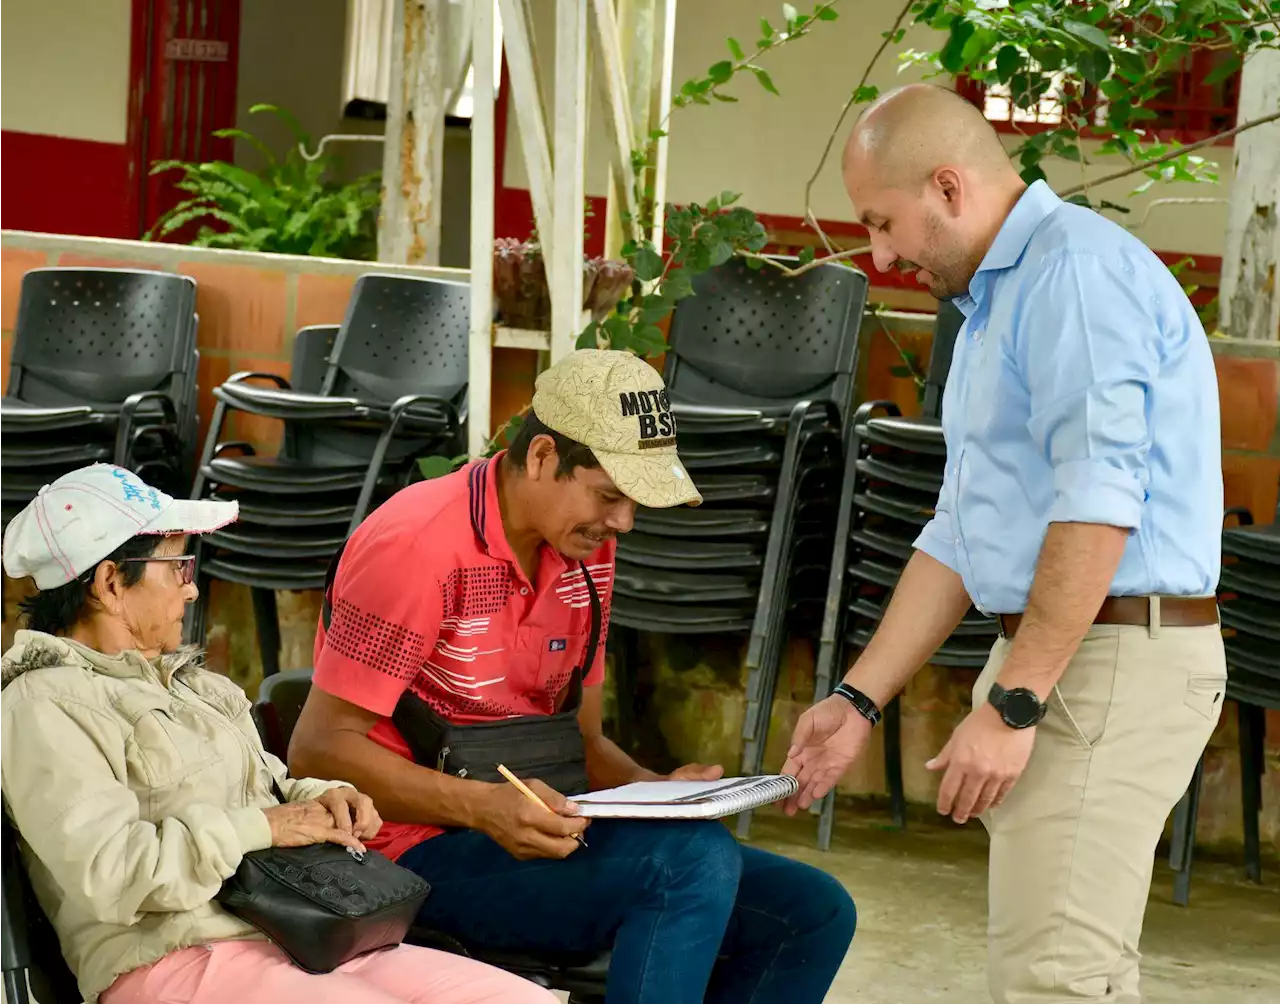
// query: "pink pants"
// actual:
[[256, 972]]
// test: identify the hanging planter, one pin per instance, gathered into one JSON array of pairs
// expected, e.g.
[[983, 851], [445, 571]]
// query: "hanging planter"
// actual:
[[523, 297]]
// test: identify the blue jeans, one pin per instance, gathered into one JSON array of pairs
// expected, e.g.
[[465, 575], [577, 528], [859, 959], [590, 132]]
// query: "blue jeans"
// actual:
[[690, 914]]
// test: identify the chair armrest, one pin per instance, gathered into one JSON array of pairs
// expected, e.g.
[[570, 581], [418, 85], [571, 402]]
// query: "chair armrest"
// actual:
[[707, 411], [246, 448], [867, 410], [289, 405], [244, 375], [133, 402], [1241, 513], [411, 407]]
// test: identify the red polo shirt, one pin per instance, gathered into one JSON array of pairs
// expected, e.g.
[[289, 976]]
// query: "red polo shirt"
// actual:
[[429, 596]]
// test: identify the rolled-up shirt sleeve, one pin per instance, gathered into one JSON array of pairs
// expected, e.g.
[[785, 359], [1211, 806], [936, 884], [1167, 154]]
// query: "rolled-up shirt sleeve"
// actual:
[[1089, 353], [938, 538]]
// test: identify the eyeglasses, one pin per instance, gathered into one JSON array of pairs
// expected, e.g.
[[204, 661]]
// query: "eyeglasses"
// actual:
[[186, 565]]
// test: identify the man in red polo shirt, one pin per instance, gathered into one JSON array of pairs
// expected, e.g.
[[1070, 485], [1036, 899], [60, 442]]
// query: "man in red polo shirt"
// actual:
[[469, 594]]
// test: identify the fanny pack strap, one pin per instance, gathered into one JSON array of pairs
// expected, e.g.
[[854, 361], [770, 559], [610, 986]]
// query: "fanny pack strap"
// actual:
[[579, 672]]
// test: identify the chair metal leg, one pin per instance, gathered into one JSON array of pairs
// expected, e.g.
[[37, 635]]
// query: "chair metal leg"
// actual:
[[1252, 732], [267, 619], [626, 677], [15, 987], [1182, 846], [893, 762], [767, 688], [826, 821]]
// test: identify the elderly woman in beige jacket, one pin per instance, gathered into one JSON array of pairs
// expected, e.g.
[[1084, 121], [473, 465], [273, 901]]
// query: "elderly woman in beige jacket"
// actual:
[[137, 781]]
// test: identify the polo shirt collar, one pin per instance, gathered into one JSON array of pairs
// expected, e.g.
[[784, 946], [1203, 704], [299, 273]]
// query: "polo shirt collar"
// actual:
[[486, 515]]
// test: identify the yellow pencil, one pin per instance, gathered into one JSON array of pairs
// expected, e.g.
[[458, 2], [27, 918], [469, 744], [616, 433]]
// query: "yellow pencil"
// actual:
[[525, 790]]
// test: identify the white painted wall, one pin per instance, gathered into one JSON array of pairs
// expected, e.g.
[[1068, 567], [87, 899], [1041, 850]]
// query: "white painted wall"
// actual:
[[64, 68]]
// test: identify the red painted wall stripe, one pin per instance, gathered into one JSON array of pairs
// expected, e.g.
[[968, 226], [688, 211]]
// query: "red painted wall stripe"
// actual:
[[64, 186]]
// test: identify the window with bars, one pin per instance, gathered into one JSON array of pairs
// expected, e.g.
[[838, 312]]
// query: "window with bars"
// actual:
[[1187, 108]]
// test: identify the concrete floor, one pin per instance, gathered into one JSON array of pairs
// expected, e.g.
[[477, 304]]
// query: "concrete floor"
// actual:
[[921, 898]]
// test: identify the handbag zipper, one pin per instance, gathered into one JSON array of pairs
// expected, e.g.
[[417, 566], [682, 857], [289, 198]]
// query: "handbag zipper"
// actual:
[[442, 757]]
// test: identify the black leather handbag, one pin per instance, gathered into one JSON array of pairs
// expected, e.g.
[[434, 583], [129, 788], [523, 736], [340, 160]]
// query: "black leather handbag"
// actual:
[[546, 747], [325, 904]]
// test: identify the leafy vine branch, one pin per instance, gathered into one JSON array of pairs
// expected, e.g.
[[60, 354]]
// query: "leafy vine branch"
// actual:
[[1176, 153], [862, 93]]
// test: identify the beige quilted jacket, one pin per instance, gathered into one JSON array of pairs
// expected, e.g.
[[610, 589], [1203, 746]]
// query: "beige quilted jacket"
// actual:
[[136, 787]]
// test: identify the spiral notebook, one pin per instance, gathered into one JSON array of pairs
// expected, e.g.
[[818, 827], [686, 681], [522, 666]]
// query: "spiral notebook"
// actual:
[[686, 799]]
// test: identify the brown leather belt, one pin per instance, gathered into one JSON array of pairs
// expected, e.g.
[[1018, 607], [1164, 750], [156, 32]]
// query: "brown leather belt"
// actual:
[[1175, 611]]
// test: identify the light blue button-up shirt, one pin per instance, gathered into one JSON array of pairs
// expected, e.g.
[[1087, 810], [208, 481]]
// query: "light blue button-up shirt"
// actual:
[[1082, 390]]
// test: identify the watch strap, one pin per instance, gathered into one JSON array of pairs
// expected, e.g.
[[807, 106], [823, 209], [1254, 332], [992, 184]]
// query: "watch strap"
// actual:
[[864, 705]]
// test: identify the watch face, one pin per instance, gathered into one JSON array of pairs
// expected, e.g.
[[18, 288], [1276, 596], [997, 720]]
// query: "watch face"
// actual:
[[1021, 708]]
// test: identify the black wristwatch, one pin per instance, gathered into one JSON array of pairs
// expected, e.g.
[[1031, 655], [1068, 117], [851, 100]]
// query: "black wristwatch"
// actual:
[[865, 706], [1019, 708]]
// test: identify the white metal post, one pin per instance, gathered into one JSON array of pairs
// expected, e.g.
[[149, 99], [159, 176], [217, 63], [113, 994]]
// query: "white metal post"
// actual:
[[565, 262], [526, 100], [658, 111], [614, 90], [480, 350]]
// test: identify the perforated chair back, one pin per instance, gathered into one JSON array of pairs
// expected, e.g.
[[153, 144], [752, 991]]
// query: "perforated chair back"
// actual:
[[331, 444], [945, 329], [749, 338], [402, 336], [312, 347], [98, 335]]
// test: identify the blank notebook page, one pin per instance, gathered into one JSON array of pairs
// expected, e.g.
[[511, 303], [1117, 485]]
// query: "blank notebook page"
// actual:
[[686, 799]]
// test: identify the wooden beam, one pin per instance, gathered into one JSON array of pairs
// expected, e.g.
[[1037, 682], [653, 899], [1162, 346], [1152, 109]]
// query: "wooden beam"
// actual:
[[570, 146], [480, 354], [526, 97], [615, 91]]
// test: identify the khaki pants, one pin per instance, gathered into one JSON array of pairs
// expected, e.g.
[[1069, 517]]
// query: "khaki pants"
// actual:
[[1073, 844]]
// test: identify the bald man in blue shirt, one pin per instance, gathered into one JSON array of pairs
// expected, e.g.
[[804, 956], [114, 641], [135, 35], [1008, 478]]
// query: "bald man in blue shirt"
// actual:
[[1081, 507]]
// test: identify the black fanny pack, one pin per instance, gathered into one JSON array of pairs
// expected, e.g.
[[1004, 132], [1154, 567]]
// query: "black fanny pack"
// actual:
[[546, 747]]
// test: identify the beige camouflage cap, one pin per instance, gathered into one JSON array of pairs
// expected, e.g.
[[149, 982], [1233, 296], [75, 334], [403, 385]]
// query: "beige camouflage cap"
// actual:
[[616, 404]]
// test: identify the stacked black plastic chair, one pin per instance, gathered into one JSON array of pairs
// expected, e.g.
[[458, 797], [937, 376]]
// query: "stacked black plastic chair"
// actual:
[[366, 401], [1249, 601], [891, 479], [103, 370], [31, 960], [760, 373]]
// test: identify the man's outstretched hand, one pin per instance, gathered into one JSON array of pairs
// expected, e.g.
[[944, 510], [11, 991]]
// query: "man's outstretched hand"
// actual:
[[827, 739]]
